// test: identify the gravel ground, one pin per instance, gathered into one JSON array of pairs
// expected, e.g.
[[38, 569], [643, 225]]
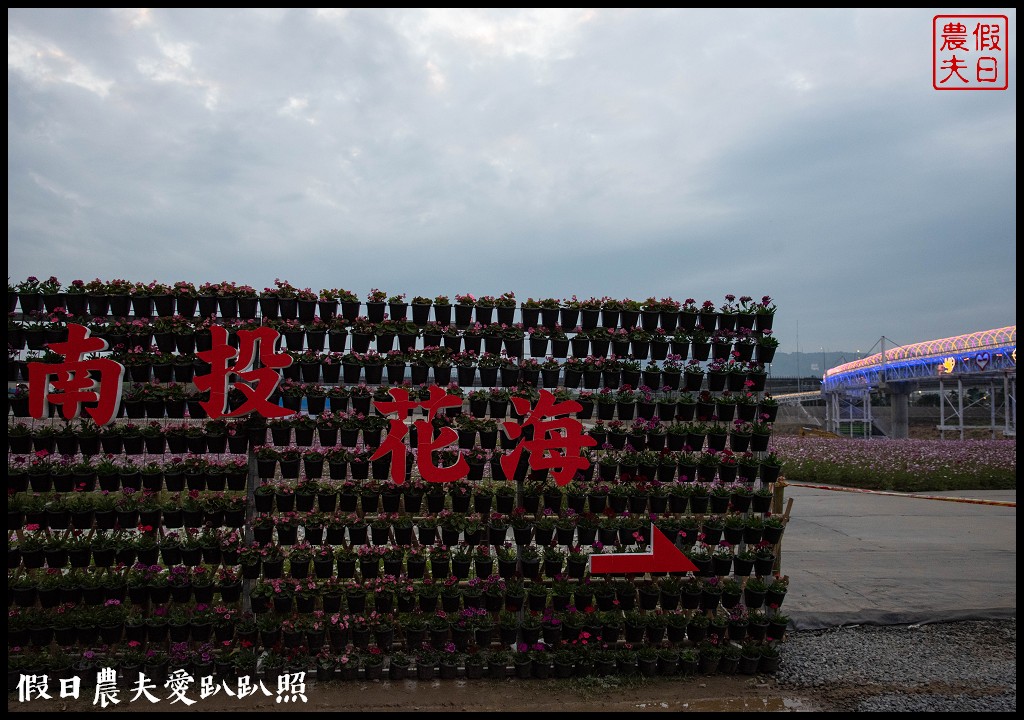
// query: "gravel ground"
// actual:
[[962, 666]]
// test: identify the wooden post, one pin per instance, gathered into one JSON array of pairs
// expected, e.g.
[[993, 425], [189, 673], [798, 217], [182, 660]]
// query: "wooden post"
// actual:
[[777, 500]]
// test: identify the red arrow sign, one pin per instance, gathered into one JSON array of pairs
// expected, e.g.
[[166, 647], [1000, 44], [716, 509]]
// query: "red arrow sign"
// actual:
[[663, 556]]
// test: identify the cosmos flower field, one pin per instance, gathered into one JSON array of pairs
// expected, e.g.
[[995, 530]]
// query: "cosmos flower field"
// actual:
[[900, 465]]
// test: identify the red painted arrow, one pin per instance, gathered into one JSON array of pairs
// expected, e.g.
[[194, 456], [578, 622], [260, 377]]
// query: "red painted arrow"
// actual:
[[663, 556]]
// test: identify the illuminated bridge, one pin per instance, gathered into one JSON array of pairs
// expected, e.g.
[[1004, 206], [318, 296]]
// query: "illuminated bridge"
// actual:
[[980, 359]]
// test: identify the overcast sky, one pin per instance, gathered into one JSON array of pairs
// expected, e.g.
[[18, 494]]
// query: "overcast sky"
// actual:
[[685, 153]]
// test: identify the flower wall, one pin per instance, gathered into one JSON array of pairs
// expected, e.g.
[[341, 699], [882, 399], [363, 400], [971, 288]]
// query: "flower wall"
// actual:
[[227, 545]]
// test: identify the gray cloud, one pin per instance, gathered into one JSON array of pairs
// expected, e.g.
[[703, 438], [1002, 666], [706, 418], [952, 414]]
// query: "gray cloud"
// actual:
[[800, 154]]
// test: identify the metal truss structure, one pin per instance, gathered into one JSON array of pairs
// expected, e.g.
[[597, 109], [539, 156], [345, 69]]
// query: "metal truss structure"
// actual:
[[980, 359]]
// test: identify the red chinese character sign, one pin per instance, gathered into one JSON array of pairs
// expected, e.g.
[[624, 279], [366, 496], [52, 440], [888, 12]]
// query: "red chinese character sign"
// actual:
[[549, 435], [95, 384], [76, 382], [426, 443], [970, 52], [259, 383]]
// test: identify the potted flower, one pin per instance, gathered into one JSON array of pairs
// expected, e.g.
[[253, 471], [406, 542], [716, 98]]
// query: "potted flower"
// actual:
[[765, 312], [770, 467], [773, 527], [776, 590]]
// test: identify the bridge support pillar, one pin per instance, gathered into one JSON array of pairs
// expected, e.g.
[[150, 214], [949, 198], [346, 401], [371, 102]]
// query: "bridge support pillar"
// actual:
[[899, 404]]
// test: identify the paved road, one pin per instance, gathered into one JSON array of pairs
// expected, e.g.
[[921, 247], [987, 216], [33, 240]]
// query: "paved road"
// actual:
[[876, 559]]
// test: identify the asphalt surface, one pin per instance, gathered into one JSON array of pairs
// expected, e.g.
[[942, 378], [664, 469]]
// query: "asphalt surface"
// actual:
[[859, 558]]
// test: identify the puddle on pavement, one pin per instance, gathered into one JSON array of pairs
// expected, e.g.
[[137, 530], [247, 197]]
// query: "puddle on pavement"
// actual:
[[774, 704], [454, 689]]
